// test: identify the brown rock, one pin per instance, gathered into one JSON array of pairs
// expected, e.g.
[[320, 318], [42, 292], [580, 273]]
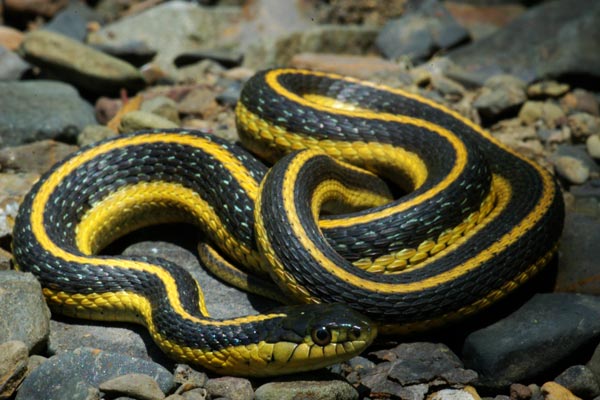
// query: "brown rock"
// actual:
[[13, 366], [580, 100], [554, 391], [5, 257], [10, 38], [14, 187], [45, 8], [519, 392], [548, 112], [106, 108], [547, 89], [139, 386], [481, 20], [37, 157], [363, 67]]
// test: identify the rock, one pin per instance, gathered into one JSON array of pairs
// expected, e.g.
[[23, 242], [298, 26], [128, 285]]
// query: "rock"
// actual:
[[583, 125], [580, 380], [359, 66], [359, 12], [135, 52], [230, 387], [447, 87], [531, 46], [420, 33], [79, 64], [25, 316], [579, 152], [133, 341], [73, 21], [409, 369], [10, 38], [199, 101], [594, 364], [36, 157], [14, 188], [13, 367], [554, 391], [230, 95], [322, 390], [44, 8], [186, 375], [593, 146], [192, 27], [37, 110], [572, 169], [546, 331], [579, 255], [520, 392], [548, 112], [582, 101], [12, 67], [547, 89], [223, 59], [5, 258], [138, 386], [106, 109], [454, 394], [94, 133], [501, 94], [197, 394], [77, 374], [483, 19], [34, 362], [163, 107], [271, 52], [138, 120]]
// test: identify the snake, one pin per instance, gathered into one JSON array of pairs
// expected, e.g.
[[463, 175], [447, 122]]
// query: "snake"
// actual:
[[377, 209]]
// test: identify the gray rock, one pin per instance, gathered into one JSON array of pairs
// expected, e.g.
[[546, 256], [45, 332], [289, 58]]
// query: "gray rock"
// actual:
[[420, 32], [77, 374], [186, 375], [14, 187], [580, 380], [583, 125], [13, 367], [67, 335], [25, 316], [196, 394], [138, 386], [230, 387], [12, 67], [162, 106], [73, 20], [274, 51], [36, 110], [500, 94], [191, 27], [322, 390], [79, 64], [537, 338], [579, 253], [579, 152], [532, 46], [94, 133]]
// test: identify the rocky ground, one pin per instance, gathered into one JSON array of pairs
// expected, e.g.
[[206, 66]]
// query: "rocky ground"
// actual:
[[72, 73]]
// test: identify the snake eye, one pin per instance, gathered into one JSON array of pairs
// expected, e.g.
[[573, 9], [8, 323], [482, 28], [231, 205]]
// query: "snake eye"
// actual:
[[354, 333], [321, 336]]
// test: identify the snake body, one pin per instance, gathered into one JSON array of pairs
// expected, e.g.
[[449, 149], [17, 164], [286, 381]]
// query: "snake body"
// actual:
[[475, 221]]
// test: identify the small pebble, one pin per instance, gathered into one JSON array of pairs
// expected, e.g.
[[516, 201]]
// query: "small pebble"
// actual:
[[94, 133], [581, 100], [231, 387], [162, 106], [140, 386], [184, 374], [519, 392], [325, 390], [447, 87], [548, 112], [554, 391], [500, 94], [593, 146], [196, 394], [580, 380], [453, 394], [547, 89], [572, 169], [583, 125], [138, 120]]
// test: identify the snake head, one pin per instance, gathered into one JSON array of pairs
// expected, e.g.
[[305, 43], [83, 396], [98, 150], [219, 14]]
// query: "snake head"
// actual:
[[313, 336]]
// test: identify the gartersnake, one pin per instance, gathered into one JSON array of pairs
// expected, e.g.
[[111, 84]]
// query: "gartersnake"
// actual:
[[475, 221]]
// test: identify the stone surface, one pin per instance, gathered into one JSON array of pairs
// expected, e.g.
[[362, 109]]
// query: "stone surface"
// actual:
[[25, 316], [544, 333], [547, 89], [191, 27], [453, 394], [532, 46], [579, 255], [581, 100], [572, 169], [77, 374], [10, 38], [73, 20], [13, 366], [12, 67], [272, 52], [482, 19], [580, 380], [186, 375], [138, 386], [359, 66], [420, 32], [593, 146], [548, 112], [554, 391], [138, 120], [501, 94], [37, 157], [321, 390], [79, 64], [230, 387], [94, 133], [583, 125], [43, 8], [14, 188], [37, 110]]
